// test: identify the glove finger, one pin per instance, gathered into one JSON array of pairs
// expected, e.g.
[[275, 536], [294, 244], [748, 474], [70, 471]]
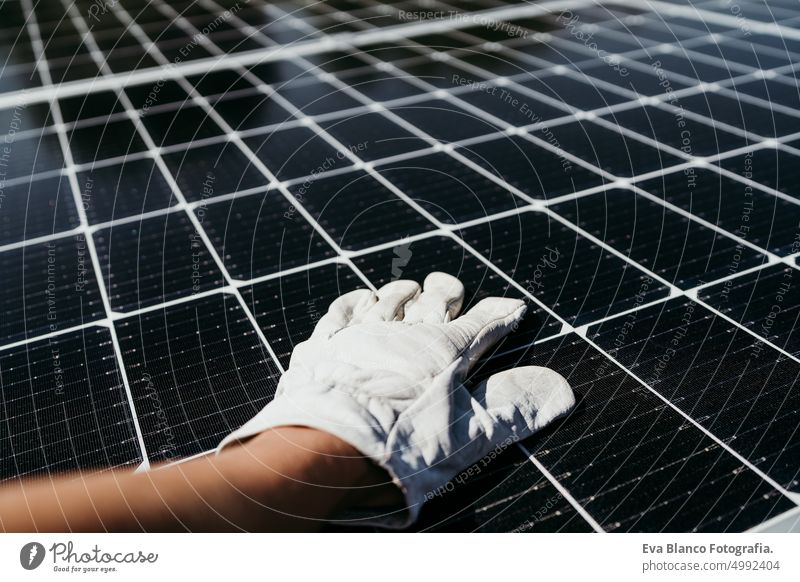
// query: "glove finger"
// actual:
[[526, 399], [440, 301], [342, 311], [392, 299], [485, 324]]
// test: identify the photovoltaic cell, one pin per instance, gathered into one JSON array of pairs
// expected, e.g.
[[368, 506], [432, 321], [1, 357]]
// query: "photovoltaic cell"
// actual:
[[336, 61], [123, 190], [433, 72], [773, 168], [674, 247], [243, 229], [516, 109], [771, 91], [197, 371], [687, 65], [448, 189], [569, 91], [370, 136], [678, 131], [354, 208], [219, 82], [443, 120], [632, 79], [250, 111], [532, 169], [380, 86], [287, 308], [25, 117], [316, 97], [295, 153], [389, 52], [765, 301], [214, 170], [496, 64], [761, 218], [757, 120], [100, 141], [759, 41], [155, 260], [573, 276], [89, 106], [150, 95], [442, 41], [561, 54], [740, 389], [47, 287], [22, 158], [609, 150], [63, 406], [278, 72], [737, 54], [37, 208], [184, 125]]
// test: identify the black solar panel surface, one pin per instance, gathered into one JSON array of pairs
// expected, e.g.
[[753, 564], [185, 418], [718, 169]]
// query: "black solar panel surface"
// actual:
[[186, 186]]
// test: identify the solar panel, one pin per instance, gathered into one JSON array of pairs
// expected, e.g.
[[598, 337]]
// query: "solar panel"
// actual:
[[185, 186]]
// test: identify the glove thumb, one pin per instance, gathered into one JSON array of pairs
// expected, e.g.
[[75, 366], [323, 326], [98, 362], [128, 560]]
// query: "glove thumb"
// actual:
[[524, 400]]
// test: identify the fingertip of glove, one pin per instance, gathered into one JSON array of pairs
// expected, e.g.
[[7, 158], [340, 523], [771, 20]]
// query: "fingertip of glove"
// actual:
[[400, 287], [440, 280], [445, 288]]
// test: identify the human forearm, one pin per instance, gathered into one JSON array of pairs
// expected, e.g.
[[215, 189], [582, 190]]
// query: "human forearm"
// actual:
[[256, 486]]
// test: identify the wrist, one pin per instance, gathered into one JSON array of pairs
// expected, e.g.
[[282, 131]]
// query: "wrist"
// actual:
[[331, 462]]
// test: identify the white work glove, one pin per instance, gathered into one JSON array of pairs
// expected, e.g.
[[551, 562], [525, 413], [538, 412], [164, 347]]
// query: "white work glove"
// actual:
[[384, 373]]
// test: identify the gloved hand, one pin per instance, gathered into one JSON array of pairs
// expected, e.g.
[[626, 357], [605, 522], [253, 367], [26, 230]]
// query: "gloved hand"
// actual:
[[383, 372]]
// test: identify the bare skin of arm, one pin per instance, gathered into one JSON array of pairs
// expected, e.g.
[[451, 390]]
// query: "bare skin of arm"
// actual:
[[285, 479]]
